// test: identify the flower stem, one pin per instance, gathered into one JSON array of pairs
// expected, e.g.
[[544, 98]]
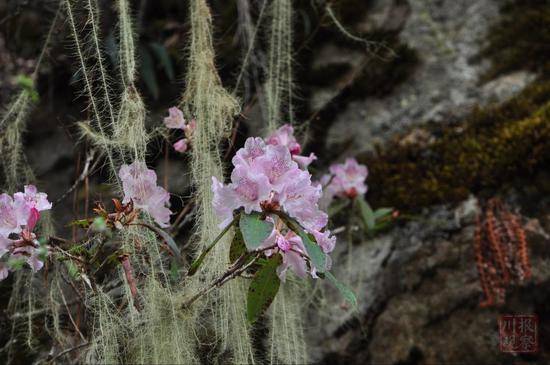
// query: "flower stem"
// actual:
[[195, 265]]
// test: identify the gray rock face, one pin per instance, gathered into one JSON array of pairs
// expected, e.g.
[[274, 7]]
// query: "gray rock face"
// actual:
[[419, 295], [447, 35]]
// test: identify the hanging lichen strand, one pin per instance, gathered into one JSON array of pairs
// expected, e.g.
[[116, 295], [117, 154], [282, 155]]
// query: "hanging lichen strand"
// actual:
[[129, 128], [16, 172], [286, 337], [120, 335], [278, 86], [121, 136], [15, 168], [213, 107]]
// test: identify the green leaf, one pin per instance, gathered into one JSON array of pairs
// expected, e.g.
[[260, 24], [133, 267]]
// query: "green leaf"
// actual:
[[174, 271], [366, 213], [382, 212], [316, 255], [99, 224], [147, 72], [27, 84], [314, 252], [82, 223], [263, 289], [72, 269], [16, 263], [169, 241], [254, 229], [346, 292], [237, 248], [164, 58]]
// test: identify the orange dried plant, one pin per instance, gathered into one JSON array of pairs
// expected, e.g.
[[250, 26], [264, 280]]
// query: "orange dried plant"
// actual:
[[500, 249]]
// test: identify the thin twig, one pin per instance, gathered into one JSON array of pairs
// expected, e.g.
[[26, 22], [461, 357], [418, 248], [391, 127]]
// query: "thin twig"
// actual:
[[65, 352], [188, 206], [130, 279], [85, 172]]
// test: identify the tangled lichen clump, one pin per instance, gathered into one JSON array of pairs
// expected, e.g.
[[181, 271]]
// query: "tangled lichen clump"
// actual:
[[491, 147]]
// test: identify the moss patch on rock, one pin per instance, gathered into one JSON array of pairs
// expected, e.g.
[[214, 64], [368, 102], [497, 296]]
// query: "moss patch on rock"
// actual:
[[489, 148]]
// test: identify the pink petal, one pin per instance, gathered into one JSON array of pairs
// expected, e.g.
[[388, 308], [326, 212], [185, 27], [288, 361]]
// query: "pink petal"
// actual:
[[4, 272], [34, 216], [181, 145], [175, 119]]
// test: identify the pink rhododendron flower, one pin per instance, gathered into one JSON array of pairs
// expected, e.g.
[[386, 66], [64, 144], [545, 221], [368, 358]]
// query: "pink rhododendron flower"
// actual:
[[33, 198], [140, 185], [284, 136], [13, 215], [267, 176], [175, 120], [18, 216], [346, 180], [292, 250]]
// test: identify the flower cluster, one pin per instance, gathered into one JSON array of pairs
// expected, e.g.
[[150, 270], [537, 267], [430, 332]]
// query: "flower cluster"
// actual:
[[18, 217], [269, 175], [175, 120], [140, 187], [345, 180]]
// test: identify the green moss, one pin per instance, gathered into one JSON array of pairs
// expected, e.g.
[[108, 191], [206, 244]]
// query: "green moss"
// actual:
[[490, 148], [520, 39]]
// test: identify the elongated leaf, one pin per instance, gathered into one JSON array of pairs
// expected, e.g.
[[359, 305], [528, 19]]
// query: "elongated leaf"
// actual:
[[237, 248], [346, 292], [164, 58], [263, 289], [382, 212], [169, 241], [314, 252], [366, 213], [254, 229], [147, 72], [337, 207], [316, 255]]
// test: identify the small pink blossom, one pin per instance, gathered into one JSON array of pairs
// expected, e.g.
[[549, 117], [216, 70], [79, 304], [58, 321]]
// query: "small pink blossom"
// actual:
[[292, 250], [140, 185], [175, 119], [33, 198], [347, 179], [181, 145], [19, 215], [284, 136]]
